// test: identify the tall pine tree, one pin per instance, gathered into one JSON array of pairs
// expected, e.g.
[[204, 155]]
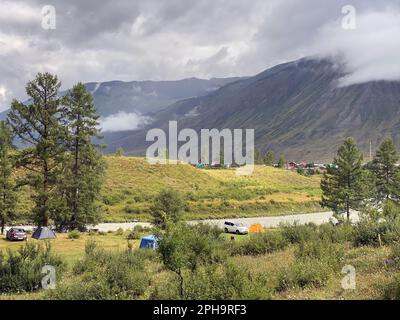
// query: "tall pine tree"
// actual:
[[39, 125], [282, 161], [84, 167], [346, 184], [269, 158], [386, 171], [7, 187]]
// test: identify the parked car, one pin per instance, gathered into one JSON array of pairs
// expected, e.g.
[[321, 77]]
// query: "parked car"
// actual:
[[16, 234], [232, 227]]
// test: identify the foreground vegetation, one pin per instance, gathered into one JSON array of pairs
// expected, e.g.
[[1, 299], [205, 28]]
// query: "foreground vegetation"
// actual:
[[200, 262]]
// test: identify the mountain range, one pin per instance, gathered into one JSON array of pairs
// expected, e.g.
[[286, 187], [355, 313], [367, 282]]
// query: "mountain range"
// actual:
[[145, 97], [298, 109]]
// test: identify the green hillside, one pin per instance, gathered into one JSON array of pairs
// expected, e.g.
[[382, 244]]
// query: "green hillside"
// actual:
[[131, 184]]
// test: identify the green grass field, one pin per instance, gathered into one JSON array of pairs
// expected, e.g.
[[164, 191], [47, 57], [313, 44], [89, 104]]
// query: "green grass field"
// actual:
[[131, 184], [73, 249]]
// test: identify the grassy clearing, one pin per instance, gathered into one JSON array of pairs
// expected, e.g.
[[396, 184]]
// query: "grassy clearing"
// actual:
[[132, 183], [72, 250]]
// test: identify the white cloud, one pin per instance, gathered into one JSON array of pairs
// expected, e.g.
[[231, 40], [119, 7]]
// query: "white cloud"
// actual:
[[123, 121], [168, 40], [4, 94], [371, 52]]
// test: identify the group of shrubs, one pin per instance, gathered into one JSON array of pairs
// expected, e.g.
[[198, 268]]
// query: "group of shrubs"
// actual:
[[196, 257], [259, 244], [319, 250], [316, 262], [21, 271], [226, 282], [105, 275], [377, 230]]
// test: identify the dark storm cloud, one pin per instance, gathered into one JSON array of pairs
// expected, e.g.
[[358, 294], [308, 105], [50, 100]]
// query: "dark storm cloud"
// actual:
[[128, 39]]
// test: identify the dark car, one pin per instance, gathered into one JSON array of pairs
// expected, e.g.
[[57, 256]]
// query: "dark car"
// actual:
[[16, 234]]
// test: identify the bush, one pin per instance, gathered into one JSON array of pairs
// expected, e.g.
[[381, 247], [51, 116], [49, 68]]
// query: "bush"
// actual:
[[316, 261], [190, 246], [369, 232], [74, 234], [259, 244], [137, 232], [336, 233], [377, 228], [391, 291], [225, 282], [21, 271], [81, 291], [113, 198], [229, 282], [394, 257], [320, 250], [296, 233], [106, 275], [305, 274], [167, 207], [119, 232], [133, 235]]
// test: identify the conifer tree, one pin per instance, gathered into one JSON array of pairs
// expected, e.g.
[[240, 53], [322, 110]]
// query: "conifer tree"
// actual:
[[83, 168], [346, 184], [282, 161], [39, 125], [385, 171], [8, 195], [269, 158]]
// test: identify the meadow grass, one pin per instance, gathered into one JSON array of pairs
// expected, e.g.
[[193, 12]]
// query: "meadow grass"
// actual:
[[369, 263], [132, 183], [372, 272], [72, 250]]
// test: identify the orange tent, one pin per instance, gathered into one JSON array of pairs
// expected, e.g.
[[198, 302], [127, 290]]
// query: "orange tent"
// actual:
[[256, 228]]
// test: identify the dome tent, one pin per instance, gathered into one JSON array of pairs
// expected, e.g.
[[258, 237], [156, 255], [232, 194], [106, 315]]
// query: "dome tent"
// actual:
[[256, 228], [149, 242], [43, 233]]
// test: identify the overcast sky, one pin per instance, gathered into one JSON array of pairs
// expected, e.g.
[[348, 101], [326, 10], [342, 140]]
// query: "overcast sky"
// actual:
[[174, 39]]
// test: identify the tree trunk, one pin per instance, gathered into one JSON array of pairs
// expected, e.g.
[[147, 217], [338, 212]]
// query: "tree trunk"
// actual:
[[75, 178], [44, 218], [2, 224], [181, 291]]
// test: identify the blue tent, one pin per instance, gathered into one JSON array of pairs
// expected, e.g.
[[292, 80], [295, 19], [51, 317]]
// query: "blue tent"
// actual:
[[149, 242]]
